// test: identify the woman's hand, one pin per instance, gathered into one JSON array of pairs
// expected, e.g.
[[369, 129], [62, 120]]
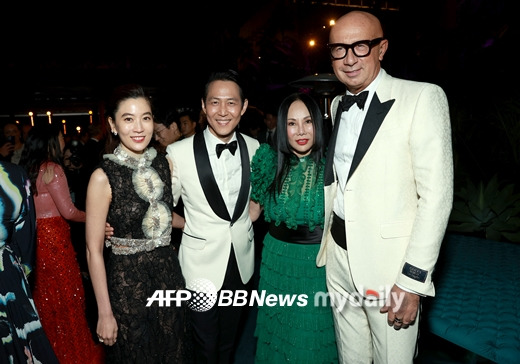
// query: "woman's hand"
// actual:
[[109, 231], [6, 149], [255, 209], [107, 330]]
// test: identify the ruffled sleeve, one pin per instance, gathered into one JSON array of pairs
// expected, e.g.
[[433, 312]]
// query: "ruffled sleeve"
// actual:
[[263, 171]]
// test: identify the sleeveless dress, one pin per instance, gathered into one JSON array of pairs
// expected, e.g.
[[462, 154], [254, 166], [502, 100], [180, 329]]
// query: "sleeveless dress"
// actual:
[[292, 333], [21, 332], [58, 291], [141, 260]]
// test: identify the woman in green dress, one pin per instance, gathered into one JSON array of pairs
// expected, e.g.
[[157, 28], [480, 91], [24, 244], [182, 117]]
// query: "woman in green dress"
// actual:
[[287, 183]]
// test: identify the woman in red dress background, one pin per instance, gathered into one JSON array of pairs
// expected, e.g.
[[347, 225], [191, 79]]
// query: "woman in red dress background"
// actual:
[[58, 288]]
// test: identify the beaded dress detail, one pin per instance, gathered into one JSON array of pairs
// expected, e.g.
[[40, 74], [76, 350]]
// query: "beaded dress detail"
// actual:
[[142, 260], [58, 290], [290, 333]]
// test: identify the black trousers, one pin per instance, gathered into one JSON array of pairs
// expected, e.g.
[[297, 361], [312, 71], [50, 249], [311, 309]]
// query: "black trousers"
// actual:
[[215, 330]]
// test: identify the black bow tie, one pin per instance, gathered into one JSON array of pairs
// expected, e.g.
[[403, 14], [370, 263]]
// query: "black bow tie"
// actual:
[[349, 100], [231, 146]]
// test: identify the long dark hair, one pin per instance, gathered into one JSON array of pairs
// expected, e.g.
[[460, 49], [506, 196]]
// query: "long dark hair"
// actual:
[[284, 151], [42, 146]]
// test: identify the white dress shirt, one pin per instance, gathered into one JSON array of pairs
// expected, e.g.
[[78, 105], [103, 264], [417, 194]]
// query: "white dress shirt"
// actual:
[[227, 169], [346, 143]]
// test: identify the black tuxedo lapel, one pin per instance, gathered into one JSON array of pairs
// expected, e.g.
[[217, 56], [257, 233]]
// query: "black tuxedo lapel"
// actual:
[[375, 116], [207, 179], [243, 195], [209, 184]]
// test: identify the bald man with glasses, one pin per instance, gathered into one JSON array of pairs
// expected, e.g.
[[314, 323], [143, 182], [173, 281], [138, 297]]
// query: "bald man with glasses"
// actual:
[[388, 197]]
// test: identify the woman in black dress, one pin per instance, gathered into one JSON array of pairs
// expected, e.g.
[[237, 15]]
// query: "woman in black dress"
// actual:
[[132, 192]]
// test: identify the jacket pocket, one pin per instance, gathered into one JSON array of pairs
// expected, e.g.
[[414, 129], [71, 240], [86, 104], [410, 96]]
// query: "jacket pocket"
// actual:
[[193, 242]]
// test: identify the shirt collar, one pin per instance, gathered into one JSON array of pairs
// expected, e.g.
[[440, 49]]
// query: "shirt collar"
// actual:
[[212, 140]]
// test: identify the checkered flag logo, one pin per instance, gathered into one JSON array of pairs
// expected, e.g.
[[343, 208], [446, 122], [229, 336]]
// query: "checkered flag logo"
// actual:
[[204, 295]]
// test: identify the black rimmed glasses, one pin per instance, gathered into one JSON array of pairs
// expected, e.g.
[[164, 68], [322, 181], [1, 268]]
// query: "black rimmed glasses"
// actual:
[[361, 48]]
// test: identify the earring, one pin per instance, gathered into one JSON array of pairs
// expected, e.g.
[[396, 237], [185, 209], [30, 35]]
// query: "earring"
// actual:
[[115, 133]]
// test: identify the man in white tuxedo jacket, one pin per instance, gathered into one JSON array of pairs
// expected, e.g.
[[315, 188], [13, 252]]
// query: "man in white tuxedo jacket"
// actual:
[[217, 241], [388, 196]]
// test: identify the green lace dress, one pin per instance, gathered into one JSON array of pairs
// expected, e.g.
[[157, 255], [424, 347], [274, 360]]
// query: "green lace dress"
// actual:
[[292, 333]]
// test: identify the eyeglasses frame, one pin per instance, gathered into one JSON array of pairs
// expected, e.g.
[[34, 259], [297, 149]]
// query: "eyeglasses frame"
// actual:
[[157, 134], [371, 44]]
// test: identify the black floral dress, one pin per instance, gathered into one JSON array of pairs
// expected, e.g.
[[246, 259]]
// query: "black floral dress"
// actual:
[[142, 260]]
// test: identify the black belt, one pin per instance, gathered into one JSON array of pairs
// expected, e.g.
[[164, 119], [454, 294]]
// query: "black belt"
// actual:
[[338, 231], [300, 235]]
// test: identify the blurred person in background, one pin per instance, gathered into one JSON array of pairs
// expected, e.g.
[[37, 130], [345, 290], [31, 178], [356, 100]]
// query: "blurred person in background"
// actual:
[[91, 155], [25, 130], [189, 122], [73, 166], [252, 122], [72, 163], [166, 129], [12, 147], [268, 133], [58, 288]]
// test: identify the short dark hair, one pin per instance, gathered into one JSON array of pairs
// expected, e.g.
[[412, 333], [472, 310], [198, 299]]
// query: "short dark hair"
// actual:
[[228, 75]]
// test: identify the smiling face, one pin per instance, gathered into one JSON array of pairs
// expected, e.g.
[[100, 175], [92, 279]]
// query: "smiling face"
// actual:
[[223, 108], [300, 129], [133, 124], [358, 72]]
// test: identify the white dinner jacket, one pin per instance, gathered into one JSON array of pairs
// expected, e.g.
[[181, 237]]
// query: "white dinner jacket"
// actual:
[[399, 192], [209, 230]]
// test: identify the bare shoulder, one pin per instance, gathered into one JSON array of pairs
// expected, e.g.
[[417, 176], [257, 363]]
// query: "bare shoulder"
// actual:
[[98, 177], [98, 187]]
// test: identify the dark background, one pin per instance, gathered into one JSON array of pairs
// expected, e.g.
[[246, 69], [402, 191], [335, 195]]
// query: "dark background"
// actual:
[[66, 59], [51, 56]]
